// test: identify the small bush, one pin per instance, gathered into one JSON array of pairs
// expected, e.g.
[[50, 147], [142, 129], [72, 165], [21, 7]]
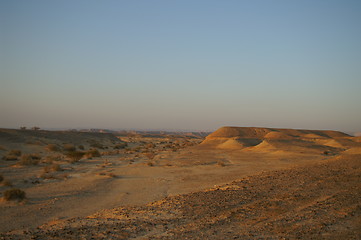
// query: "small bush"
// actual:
[[52, 148], [14, 194], [74, 156], [149, 155], [15, 153], [92, 153], [221, 164], [7, 183], [10, 157], [53, 168], [120, 145], [51, 159], [30, 159], [69, 147], [96, 144]]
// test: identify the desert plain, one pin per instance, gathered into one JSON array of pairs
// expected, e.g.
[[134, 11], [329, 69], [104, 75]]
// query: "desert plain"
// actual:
[[235, 183]]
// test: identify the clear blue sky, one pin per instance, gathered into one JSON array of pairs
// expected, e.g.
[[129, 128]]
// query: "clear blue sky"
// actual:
[[181, 64]]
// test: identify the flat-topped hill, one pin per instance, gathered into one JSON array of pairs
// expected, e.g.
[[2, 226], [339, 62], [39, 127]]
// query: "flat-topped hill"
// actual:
[[274, 139], [254, 132]]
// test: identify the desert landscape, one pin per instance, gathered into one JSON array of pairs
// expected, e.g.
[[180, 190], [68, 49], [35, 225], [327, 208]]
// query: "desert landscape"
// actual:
[[235, 183]]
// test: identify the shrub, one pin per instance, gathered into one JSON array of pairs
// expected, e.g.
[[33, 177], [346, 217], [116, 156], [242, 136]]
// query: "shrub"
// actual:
[[7, 183], [149, 155], [69, 147], [221, 164], [9, 157], [96, 144], [51, 159], [74, 156], [15, 153], [92, 153], [30, 159], [52, 168], [52, 147], [120, 145], [14, 194]]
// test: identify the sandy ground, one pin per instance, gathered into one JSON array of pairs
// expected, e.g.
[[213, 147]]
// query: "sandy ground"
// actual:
[[199, 192]]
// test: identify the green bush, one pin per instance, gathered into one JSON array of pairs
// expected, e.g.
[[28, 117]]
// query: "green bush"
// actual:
[[14, 194]]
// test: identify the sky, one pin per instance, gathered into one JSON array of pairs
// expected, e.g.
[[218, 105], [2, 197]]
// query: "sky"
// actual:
[[180, 65]]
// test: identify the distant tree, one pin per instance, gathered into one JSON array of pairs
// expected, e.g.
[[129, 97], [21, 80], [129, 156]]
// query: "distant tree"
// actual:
[[22, 128], [35, 128]]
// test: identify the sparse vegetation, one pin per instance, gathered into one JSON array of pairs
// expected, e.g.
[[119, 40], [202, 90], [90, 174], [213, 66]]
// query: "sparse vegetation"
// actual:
[[30, 159], [14, 194], [120, 145], [69, 147], [52, 148], [96, 144], [52, 168], [7, 183], [149, 155], [53, 158], [14, 153], [74, 156], [92, 153], [221, 164]]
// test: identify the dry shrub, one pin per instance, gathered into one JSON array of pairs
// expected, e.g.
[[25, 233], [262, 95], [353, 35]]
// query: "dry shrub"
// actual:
[[52, 158], [120, 145], [14, 152], [92, 153], [52, 148], [150, 145], [74, 156], [30, 159], [53, 168], [10, 157], [96, 144], [69, 147], [149, 155], [150, 164], [7, 183], [221, 164], [14, 194]]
